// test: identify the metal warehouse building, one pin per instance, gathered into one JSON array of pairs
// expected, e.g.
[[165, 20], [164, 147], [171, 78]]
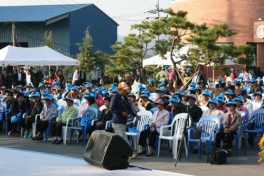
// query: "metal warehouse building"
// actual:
[[67, 22]]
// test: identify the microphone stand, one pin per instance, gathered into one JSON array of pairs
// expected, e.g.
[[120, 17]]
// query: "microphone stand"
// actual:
[[183, 136]]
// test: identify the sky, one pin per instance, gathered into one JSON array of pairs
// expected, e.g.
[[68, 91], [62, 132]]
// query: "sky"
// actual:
[[124, 12]]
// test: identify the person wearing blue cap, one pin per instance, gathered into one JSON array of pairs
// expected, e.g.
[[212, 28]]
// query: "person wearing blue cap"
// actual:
[[232, 120], [35, 108], [220, 103], [18, 106], [213, 109], [205, 97], [240, 102], [254, 87], [49, 112], [176, 106], [151, 86], [144, 102], [56, 127], [258, 100]]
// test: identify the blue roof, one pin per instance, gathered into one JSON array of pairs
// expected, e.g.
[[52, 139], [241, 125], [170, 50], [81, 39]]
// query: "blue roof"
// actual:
[[38, 13]]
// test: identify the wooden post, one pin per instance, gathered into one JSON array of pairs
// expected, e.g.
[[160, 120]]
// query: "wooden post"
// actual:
[[13, 34]]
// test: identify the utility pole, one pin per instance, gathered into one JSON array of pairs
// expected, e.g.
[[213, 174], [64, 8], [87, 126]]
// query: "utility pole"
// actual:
[[14, 34]]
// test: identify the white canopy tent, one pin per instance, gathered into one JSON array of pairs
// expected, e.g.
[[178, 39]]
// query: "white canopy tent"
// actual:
[[157, 60], [11, 55]]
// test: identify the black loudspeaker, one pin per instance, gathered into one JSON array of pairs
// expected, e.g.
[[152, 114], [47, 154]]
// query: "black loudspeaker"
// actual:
[[107, 150]]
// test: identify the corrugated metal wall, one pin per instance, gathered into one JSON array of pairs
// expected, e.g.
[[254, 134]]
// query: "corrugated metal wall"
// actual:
[[67, 32], [33, 34], [102, 29]]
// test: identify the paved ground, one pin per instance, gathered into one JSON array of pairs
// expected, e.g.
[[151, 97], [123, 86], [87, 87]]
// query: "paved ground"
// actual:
[[244, 164]]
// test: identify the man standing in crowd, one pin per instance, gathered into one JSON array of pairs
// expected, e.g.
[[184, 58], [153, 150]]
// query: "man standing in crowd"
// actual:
[[20, 77], [94, 75], [75, 77], [121, 109], [82, 76]]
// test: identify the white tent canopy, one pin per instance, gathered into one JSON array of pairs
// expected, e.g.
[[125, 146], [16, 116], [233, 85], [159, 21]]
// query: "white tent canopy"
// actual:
[[11, 55], [157, 60]]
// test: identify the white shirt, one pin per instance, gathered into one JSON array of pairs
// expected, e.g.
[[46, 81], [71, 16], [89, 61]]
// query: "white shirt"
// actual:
[[248, 104], [28, 78], [75, 77], [93, 75], [19, 76]]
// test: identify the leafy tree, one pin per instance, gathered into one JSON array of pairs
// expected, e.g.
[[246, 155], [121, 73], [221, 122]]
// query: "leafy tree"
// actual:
[[88, 58], [130, 53], [206, 50], [173, 30], [48, 39]]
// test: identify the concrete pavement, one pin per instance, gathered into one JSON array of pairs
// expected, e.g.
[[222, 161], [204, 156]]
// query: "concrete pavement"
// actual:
[[244, 164]]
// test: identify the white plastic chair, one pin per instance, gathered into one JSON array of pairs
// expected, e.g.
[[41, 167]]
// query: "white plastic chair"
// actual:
[[256, 105], [141, 108], [177, 125], [145, 117]]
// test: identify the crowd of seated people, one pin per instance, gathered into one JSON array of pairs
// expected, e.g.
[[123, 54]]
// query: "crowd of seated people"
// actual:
[[38, 105]]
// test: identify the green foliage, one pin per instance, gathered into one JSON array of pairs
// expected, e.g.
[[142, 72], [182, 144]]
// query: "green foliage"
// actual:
[[173, 30], [130, 53], [48, 39], [207, 51], [87, 57]]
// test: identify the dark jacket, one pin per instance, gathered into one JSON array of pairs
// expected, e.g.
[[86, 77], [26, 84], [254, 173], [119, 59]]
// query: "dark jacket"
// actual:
[[17, 108], [3, 80], [181, 108], [105, 117], [22, 81], [195, 113], [118, 106], [255, 89], [34, 110]]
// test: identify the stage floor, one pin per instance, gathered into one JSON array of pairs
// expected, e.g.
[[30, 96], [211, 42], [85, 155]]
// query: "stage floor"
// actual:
[[15, 162]]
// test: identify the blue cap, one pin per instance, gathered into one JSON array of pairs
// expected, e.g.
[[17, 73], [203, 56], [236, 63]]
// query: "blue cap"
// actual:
[[239, 98], [45, 92], [229, 92], [55, 87], [259, 79], [139, 86], [161, 89], [220, 80], [132, 73], [37, 94], [150, 80], [94, 67], [258, 93], [211, 92], [99, 89], [169, 68], [28, 85], [206, 92], [131, 94], [32, 90], [115, 90], [213, 100], [56, 82], [69, 98], [162, 84], [178, 92], [48, 86], [19, 86], [253, 80], [191, 89], [192, 96], [87, 95], [175, 99], [59, 96], [26, 94], [111, 88], [221, 99], [40, 85], [105, 92], [232, 69], [197, 87], [200, 81], [184, 94], [192, 84], [144, 95], [231, 102], [48, 97], [74, 88], [188, 69]]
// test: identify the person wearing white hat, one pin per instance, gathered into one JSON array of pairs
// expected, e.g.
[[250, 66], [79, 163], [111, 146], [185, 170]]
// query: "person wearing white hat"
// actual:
[[159, 118], [49, 112], [56, 127]]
